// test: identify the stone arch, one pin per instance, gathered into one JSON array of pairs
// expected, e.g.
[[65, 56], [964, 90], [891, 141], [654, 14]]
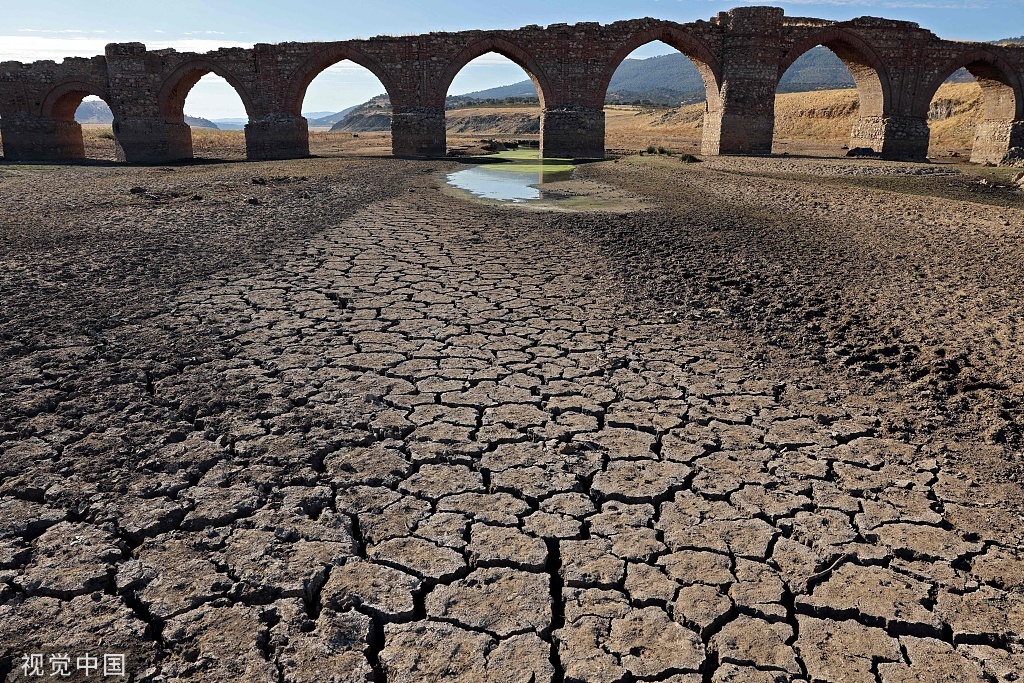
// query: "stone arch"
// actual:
[[695, 49], [1001, 87], [58, 109], [867, 69], [62, 101], [316, 63], [180, 82], [503, 47]]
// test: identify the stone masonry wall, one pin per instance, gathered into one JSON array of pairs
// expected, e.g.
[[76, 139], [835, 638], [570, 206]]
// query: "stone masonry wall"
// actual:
[[741, 55]]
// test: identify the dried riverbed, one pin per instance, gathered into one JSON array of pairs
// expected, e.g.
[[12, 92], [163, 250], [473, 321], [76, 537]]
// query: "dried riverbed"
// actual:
[[279, 421]]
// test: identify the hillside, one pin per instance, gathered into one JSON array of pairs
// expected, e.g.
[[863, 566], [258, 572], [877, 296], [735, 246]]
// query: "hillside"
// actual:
[[328, 118], [370, 116], [825, 115], [375, 116], [672, 78], [96, 112]]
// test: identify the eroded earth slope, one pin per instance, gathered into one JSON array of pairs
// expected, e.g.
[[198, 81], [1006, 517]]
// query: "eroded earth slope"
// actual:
[[316, 421]]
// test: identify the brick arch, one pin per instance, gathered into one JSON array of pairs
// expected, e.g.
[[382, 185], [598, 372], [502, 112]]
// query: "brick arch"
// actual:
[[62, 101], [503, 47], [866, 67], [695, 49], [323, 59], [1001, 87], [177, 85]]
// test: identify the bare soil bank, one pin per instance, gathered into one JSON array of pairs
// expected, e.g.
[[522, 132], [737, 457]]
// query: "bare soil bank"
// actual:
[[905, 276]]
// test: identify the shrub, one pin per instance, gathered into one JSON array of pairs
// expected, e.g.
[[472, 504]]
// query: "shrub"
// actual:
[[689, 159], [651, 149]]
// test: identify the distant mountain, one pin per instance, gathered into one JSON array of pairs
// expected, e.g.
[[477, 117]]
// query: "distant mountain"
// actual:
[[672, 72], [817, 69], [673, 79], [369, 116], [231, 124], [97, 112], [198, 122], [327, 119], [521, 89], [94, 111]]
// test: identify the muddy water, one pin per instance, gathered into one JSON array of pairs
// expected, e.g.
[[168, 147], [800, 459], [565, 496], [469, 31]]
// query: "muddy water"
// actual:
[[512, 176]]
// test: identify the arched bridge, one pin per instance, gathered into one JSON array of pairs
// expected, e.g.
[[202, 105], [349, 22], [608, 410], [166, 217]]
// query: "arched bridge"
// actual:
[[741, 54]]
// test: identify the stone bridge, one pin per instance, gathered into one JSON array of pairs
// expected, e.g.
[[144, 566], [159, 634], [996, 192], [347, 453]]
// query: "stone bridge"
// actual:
[[741, 54]]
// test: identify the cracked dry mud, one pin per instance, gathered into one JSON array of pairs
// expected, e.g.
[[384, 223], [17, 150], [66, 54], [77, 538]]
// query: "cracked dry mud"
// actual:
[[360, 431]]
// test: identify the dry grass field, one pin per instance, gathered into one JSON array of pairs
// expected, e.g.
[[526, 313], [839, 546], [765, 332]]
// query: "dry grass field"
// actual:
[[815, 122]]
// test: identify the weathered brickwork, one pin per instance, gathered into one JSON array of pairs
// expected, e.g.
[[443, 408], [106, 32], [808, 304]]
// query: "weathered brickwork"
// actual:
[[741, 55]]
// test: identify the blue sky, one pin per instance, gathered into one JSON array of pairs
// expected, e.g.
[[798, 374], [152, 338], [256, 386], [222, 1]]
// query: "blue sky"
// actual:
[[51, 29]]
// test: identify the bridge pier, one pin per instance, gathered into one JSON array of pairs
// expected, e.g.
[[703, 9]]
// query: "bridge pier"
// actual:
[[152, 140], [28, 137], [738, 132], [894, 137], [572, 133], [277, 136], [993, 139], [418, 132], [742, 121]]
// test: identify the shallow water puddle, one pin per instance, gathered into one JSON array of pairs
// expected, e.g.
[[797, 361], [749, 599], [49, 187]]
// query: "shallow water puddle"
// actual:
[[511, 176]]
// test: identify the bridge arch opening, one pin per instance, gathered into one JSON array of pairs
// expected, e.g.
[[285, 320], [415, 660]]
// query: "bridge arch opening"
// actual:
[[658, 90], [338, 68], [492, 97], [849, 91], [191, 97], [657, 99], [347, 110], [974, 106], [82, 122]]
